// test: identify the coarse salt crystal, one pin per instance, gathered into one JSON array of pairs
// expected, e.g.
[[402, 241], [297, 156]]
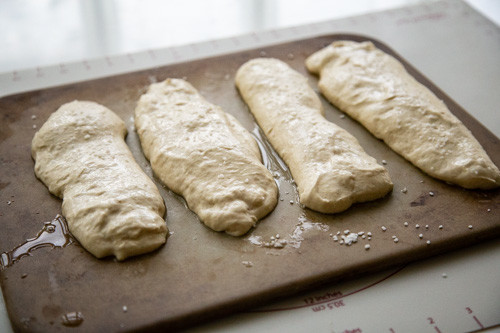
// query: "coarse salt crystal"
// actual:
[[428, 242], [404, 190], [420, 236], [396, 240], [351, 238], [440, 226], [431, 194], [367, 246], [417, 226], [405, 224], [470, 226], [383, 228]]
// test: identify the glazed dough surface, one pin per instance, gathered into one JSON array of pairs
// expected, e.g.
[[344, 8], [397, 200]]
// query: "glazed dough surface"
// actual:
[[375, 89], [331, 169], [110, 204], [205, 155]]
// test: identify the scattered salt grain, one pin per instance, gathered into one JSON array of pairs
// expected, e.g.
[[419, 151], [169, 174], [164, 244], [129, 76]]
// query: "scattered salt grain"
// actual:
[[396, 240], [470, 226], [444, 275], [384, 162], [426, 226], [420, 236], [440, 226], [488, 210], [291, 202], [383, 228], [34, 126], [33, 117], [247, 263], [342, 116], [417, 226], [346, 232], [369, 233], [404, 190], [428, 242], [405, 224], [124, 308], [367, 247], [431, 194]]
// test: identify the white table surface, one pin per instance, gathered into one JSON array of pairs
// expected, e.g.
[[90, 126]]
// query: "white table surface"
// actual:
[[45, 43]]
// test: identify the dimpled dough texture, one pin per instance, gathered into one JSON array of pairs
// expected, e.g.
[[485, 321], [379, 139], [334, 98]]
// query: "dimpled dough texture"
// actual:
[[375, 89], [331, 169], [205, 155], [110, 204]]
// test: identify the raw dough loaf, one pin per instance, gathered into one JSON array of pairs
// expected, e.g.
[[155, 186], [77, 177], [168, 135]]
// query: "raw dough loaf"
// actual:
[[375, 89], [331, 169], [110, 204], [205, 155]]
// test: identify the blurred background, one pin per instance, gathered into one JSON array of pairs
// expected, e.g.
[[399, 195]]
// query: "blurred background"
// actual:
[[46, 32]]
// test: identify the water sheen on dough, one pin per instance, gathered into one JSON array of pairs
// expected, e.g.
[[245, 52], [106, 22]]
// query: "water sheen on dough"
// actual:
[[376, 90], [331, 169], [110, 204], [205, 155]]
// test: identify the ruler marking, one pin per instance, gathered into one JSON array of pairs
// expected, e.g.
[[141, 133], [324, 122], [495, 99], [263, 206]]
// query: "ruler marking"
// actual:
[[478, 322]]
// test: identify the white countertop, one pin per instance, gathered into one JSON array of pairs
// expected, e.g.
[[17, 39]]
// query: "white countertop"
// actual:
[[43, 41]]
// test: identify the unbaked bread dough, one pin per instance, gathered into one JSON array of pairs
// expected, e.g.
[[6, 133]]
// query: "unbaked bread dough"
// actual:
[[375, 89], [205, 155], [330, 168], [110, 204]]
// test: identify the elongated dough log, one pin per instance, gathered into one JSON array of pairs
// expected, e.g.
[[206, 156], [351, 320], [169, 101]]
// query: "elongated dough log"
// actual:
[[205, 155], [375, 89], [331, 169], [110, 204]]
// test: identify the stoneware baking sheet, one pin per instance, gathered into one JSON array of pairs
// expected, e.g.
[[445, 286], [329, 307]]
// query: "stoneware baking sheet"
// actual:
[[50, 283]]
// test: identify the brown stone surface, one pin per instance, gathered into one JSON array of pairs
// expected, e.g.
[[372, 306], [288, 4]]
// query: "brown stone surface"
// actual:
[[199, 274]]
